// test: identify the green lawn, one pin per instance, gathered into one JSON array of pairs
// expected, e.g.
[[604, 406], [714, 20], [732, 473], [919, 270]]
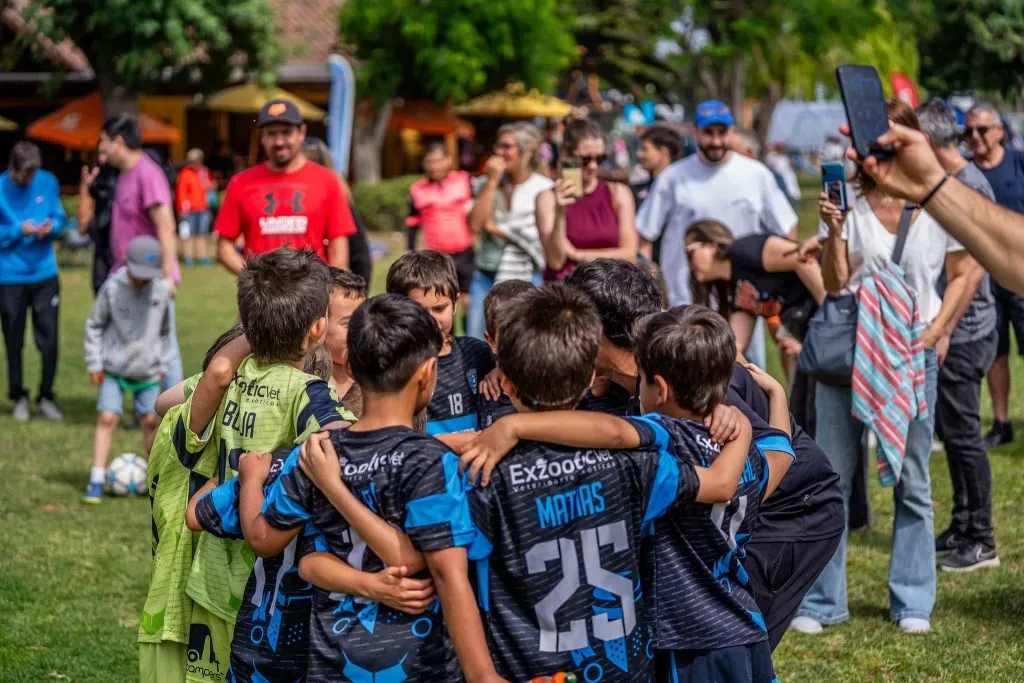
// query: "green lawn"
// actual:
[[73, 578]]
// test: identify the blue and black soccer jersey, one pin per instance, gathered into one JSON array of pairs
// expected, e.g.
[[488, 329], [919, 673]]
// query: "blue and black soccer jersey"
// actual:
[[491, 411], [412, 481], [558, 557], [701, 597], [271, 638], [617, 400], [453, 407], [808, 504]]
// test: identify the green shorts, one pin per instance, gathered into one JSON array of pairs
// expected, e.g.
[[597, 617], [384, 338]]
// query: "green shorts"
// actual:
[[209, 647], [162, 662]]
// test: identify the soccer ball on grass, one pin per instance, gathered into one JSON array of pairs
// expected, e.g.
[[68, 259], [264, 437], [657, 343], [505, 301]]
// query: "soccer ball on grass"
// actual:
[[126, 475]]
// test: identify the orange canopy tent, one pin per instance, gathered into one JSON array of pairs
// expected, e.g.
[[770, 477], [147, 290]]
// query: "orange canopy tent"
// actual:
[[77, 125]]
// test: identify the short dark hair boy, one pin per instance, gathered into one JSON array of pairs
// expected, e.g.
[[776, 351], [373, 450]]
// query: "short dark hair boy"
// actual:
[[346, 282], [497, 302], [429, 278], [693, 349], [283, 296], [663, 137], [125, 127], [548, 348], [407, 478], [425, 269]]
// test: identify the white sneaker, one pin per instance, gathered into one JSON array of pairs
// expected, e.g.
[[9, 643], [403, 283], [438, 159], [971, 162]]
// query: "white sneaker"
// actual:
[[21, 409], [49, 410], [806, 625], [913, 626]]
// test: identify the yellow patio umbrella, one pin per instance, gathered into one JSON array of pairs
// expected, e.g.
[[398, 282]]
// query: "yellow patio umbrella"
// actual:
[[6, 124], [515, 102], [248, 98]]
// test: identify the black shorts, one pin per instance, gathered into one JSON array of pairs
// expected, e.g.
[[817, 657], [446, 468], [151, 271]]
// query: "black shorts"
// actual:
[[1009, 311], [465, 266], [737, 664]]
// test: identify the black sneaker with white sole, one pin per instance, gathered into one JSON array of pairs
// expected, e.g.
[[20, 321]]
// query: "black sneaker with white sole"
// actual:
[[947, 542], [970, 557]]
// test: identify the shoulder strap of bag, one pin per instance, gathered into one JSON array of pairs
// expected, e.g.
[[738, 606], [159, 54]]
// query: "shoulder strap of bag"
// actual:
[[901, 232]]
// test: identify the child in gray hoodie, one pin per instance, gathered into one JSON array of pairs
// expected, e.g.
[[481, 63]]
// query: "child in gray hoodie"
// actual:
[[127, 348]]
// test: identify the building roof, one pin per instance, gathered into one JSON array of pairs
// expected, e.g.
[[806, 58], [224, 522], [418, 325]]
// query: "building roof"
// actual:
[[308, 31]]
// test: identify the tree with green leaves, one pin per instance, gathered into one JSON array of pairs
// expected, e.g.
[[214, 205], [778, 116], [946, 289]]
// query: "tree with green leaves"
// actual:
[[136, 46], [974, 45], [446, 51], [770, 49], [618, 42]]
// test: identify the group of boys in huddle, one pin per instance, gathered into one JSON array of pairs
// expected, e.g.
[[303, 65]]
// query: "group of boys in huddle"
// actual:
[[579, 496]]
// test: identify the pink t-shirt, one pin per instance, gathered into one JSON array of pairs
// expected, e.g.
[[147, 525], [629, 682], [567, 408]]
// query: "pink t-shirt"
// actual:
[[138, 190]]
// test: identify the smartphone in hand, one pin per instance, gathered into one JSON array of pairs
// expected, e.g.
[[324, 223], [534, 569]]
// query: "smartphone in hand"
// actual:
[[864, 101], [833, 183]]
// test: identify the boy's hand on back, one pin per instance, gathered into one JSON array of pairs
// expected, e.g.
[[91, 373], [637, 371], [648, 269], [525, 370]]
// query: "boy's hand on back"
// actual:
[[768, 384], [319, 461], [96, 378], [490, 386], [392, 587], [724, 423], [488, 449], [254, 467]]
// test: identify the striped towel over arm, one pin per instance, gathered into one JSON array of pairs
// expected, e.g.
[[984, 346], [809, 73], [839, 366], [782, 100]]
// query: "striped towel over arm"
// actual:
[[888, 366]]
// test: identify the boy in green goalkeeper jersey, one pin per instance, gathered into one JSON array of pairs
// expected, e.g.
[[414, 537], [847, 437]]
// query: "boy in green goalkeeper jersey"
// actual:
[[270, 403], [167, 614]]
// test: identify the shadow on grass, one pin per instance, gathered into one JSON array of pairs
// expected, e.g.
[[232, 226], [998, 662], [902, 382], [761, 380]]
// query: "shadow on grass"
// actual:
[[1000, 603]]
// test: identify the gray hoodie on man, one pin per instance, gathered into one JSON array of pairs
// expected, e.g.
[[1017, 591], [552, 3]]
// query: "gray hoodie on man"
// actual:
[[128, 331]]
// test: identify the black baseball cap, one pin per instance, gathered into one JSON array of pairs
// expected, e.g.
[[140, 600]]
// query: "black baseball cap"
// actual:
[[279, 111]]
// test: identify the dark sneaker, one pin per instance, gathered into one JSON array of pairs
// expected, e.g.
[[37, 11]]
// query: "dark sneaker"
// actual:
[[93, 494], [1001, 433], [946, 542], [970, 557]]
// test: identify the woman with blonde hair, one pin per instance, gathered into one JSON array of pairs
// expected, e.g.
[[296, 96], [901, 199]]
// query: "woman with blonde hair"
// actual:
[[505, 211]]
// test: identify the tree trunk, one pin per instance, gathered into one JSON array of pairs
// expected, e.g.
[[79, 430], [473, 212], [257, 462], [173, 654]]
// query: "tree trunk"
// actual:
[[738, 90], [367, 143], [116, 98]]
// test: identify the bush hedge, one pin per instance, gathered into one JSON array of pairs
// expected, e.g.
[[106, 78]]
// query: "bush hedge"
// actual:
[[384, 205]]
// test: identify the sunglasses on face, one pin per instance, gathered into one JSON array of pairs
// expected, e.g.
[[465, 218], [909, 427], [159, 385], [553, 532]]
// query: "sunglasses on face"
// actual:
[[598, 158], [981, 130]]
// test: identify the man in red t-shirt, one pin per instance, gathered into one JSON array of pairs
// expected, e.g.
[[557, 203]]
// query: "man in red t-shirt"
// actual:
[[284, 201]]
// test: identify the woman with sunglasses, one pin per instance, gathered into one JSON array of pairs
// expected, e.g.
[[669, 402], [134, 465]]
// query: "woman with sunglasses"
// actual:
[[581, 224]]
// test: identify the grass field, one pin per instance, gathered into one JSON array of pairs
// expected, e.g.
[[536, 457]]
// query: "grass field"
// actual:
[[73, 578]]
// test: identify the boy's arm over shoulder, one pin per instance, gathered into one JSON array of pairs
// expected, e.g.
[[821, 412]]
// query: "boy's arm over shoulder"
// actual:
[[216, 512], [189, 445], [318, 409], [434, 496], [290, 498], [665, 481]]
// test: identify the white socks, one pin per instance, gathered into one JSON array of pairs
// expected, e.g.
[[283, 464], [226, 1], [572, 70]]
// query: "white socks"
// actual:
[[97, 475]]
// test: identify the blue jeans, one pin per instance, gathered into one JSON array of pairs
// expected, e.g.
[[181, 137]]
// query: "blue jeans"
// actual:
[[478, 288], [111, 398], [912, 559]]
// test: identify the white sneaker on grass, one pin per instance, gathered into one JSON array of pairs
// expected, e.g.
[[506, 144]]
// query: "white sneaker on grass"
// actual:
[[806, 625], [914, 626], [21, 409], [49, 410]]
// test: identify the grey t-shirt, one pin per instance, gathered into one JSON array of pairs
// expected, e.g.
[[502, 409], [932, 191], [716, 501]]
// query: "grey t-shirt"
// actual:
[[980, 318]]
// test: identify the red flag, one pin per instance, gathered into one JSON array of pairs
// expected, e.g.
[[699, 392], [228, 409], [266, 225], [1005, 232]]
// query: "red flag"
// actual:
[[903, 88]]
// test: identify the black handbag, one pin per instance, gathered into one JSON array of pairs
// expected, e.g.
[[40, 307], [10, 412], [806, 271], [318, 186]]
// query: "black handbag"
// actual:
[[831, 339]]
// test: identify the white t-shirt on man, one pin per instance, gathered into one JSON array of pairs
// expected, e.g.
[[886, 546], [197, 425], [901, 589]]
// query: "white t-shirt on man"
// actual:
[[869, 245], [740, 193]]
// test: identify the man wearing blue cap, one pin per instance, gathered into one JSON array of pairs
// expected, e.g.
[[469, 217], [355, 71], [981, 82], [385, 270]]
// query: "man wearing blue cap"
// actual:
[[716, 183]]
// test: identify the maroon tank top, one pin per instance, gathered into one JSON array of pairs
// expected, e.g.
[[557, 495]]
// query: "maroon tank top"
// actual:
[[590, 223]]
